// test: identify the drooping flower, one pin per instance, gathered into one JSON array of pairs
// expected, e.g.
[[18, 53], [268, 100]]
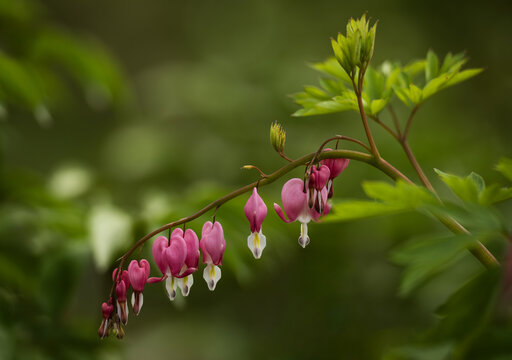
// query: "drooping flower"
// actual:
[[170, 257], [294, 196], [177, 260], [106, 308], [212, 245], [138, 275], [317, 180], [336, 167], [186, 279], [122, 286], [256, 211]]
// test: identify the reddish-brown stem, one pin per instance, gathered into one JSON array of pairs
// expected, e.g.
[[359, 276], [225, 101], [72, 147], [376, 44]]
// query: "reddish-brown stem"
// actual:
[[395, 120], [358, 90], [385, 127], [409, 122], [282, 154], [412, 159]]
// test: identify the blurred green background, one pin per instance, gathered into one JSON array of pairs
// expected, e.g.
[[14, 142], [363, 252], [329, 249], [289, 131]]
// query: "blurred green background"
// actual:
[[120, 116]]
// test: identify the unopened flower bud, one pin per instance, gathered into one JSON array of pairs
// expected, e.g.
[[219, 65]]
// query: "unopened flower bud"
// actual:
[[277, 137]]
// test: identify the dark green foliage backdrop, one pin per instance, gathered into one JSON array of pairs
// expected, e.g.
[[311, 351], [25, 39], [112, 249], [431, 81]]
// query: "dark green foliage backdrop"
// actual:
[[164, 127]]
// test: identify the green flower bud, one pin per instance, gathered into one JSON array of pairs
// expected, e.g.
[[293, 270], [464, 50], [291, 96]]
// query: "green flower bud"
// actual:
[[277, 137]]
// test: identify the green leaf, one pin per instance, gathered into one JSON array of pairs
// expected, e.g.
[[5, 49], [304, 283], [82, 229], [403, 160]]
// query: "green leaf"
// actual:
[[467, 189], [465, 314], [377, 106], [504, 166], [432, 66], [316, 93], [392, 198], [452, 63], [446, 80], [427, 257], [359, 209], [332, 67], [401, 193], [495, 193], [333, 87], [325, 107], [462, 76], [414, 68], [375, 84]]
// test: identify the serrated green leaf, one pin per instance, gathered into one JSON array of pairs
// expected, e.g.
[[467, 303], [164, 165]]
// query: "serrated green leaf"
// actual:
[[375, 84], [359, 209], [495, 193], [391, 198], [452, 62], [316, 93], [467, 189], [332, 67], [333, 87], [401, 193], [432, 66], [462, 76], [426, 257], [414, 68], [504, 166], [377, 106], [446, 80], [325, 107], [415, 94]]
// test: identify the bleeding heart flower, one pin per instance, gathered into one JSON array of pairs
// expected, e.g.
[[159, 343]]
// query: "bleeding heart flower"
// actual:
[[336, 167], [256, 211], [294, 196], [106, 308], [122, 286], [212, 245], [138, 275]]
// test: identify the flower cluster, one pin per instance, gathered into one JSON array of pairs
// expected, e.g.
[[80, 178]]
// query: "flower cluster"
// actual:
[[307, 200], [177, 256]]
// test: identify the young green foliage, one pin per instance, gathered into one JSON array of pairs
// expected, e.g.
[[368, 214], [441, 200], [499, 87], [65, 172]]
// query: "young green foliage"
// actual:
[[355, 50], [387, 199], [472, 189]]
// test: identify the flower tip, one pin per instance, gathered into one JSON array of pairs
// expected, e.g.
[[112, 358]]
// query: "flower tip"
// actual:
[[304, 241]]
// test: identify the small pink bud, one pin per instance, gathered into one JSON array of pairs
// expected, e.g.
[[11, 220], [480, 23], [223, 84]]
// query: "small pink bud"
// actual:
[[255, 211], [106, 308]]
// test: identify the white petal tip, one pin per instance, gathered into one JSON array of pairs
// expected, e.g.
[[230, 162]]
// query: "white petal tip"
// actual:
[[304, 241], [211, 274], [256, 243]]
